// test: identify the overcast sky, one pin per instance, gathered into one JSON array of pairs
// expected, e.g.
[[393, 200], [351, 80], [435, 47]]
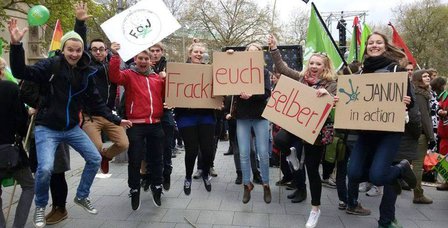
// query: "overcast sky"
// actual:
[[379, 11]]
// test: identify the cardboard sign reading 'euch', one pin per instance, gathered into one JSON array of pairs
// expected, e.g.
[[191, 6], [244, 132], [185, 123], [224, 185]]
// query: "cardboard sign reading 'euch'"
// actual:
[[296, 108], [190, 86], [372, 102], [238, 72]]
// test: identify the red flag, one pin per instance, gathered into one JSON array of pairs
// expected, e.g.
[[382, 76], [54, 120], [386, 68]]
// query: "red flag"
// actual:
[[397, 41], [57, 35], [357, 28]]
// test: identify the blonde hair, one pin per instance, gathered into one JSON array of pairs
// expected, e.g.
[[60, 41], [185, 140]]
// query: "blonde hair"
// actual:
[[3, 67], [194, 44], [328, 74], [257, 45]]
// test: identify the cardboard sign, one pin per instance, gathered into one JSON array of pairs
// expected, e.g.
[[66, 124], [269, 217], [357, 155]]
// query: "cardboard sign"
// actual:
[[190, 86], [238, 72], [442, 167], [296, 108], [371, 102], [140, 26]]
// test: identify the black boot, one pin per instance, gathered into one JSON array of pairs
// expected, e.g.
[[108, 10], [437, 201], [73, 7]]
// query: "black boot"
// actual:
[[299, 196], [293, 195], [239, 178], [257, 178]]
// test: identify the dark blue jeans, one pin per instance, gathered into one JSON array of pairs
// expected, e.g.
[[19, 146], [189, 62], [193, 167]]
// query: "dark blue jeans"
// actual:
[[371, 160], [145, 138]]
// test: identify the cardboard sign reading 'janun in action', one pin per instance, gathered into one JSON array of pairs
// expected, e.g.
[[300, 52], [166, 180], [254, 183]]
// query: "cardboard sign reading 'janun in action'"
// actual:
[[140, 26], [372, 102], [190, 86], [296, 108], [238, 72]]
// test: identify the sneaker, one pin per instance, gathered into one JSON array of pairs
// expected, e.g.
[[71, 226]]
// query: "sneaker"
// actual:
[[207, 184], [104, 162], [157, 195], [342, 205], [135, 198], [329, 183], [358, 210], [187, 187], [39, 217], [212, 172], [57, 215], [364, 186], [313, 219], [292, 159], [198, 174], [393, 224], [167, 182], [86, 205], [375, 191], [282, 182]]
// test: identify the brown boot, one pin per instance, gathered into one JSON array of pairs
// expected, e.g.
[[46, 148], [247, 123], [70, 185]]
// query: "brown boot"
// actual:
[[60, 213], [420, 198], [51, 212], [442, 187], [247, 189], [267, 193]]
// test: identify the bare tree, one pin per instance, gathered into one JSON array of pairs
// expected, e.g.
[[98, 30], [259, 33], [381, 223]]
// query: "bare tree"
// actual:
[[423, 27], [294, 31], [228, 22]]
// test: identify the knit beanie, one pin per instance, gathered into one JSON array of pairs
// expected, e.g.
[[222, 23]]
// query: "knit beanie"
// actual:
[[70, 35]]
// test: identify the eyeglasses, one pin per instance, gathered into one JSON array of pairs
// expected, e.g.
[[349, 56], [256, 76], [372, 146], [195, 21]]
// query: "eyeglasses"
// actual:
[[101, 49]]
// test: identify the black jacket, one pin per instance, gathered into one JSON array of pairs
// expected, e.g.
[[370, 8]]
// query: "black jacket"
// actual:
[[73, 88], [12, 113], [253, 107], [106, 88]]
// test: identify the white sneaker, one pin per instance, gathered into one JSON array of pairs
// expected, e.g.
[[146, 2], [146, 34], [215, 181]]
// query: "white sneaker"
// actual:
[[292, 159], [313, 219], [364, 186], [375, 191]]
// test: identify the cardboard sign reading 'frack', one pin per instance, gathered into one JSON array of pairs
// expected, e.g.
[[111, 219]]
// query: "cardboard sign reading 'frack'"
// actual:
[[372, 102], [190, 86], [238, 72], [296, 108]]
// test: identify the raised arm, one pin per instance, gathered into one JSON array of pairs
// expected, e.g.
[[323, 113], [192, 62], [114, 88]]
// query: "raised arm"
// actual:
[[80, 25], [39, 72], [280, 66], [115, 74]]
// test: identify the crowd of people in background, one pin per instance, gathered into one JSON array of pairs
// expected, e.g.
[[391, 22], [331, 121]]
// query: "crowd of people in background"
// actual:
[[88, 76]]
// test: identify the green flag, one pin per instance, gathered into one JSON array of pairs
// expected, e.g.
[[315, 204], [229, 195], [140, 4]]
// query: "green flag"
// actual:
[[1, 47], [365, 33], [318, 39], [9, 76], [353, 52]]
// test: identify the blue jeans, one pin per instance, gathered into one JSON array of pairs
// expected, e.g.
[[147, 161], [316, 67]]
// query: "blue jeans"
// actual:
[[46, 142], [371, 160], [244, 135]]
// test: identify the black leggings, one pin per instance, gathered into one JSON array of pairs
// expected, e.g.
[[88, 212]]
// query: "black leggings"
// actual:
[[199, 137], [59, 189], [313, 156]]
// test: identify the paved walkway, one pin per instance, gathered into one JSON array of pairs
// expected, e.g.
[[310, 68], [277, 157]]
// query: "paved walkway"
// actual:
[[222, 207]]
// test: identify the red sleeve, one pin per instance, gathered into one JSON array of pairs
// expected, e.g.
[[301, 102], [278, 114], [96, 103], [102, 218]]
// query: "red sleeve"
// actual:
[[115, 74]]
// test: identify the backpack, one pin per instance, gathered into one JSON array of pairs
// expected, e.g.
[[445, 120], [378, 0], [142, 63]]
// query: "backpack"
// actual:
[[34, 94]]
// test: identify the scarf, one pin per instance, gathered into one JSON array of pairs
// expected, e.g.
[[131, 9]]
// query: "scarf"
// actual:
[[146, 73], [371, 64]]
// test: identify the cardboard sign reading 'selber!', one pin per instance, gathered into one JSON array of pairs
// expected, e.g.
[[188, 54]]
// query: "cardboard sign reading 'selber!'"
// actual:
[[296, 108], [238, 72], [372, 102], [190, 86]]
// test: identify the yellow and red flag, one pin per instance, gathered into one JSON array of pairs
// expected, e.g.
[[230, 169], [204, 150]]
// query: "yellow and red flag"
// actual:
[[56, 40]]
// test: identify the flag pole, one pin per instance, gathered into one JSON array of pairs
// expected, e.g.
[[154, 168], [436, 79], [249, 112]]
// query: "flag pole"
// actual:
[[328, 32]]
